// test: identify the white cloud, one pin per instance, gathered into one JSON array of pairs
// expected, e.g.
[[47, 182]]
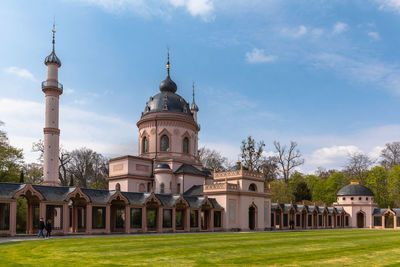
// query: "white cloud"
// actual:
[[295, 32], [202, 8], [69, 91], [108, 135], [374, 35], [259, 56], [382, 74], [339, 27], [331, 156], [20, 72], [391, 5]]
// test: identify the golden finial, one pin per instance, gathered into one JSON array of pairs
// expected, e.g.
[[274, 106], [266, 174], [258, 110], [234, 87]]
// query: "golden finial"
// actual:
[[269, 186], [168, 65], [262, 170], [226, 180]]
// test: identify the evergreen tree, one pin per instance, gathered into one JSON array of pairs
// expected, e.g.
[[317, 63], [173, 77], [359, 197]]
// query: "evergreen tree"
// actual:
[[21, 178], [71, 180]]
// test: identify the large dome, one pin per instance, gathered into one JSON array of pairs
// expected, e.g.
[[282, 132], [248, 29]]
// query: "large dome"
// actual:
[[355, 190], [167, 101]]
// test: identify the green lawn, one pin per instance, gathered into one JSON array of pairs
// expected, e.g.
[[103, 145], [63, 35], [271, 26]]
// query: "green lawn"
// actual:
[[306, 248]]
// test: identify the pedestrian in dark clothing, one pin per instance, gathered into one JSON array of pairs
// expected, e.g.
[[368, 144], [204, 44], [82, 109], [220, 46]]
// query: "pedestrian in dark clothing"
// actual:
[[41, 228], [48, 228], [291, 224]]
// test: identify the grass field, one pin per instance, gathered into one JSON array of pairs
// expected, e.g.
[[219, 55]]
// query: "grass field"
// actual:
[[305, 248]]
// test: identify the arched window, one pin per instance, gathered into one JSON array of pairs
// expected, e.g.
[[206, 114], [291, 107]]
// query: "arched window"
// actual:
[[145, 145], [164, 145], [252, 187], [185, 145], [162, 188], [118, 187]]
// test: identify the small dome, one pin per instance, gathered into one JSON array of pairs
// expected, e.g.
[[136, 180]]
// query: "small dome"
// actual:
[[194, 107], [355, 190], [52, 58], [168, 85], [163, 166]]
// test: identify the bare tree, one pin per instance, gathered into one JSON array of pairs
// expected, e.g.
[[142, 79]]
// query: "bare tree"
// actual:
[[33, 173], [357, 165], [212, 159], [64, 158], [391, 155], [89, 168], [288, 159], [252, 154], [270, 169]]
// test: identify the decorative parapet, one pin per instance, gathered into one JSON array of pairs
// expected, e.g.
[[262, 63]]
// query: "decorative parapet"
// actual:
[[239, 173], [221, 187]]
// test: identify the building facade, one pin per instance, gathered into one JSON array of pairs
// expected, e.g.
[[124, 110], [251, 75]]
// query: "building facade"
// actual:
[[165, 187]]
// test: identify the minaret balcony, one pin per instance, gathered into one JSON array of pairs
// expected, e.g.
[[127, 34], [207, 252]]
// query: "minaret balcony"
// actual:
[[52, 85]]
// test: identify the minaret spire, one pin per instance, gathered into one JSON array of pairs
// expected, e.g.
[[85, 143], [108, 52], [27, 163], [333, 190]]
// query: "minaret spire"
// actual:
[[168, 65], [54, 34], [193, 91]]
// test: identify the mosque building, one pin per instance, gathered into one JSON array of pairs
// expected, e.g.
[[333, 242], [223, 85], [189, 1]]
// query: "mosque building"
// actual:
[[165, 188]]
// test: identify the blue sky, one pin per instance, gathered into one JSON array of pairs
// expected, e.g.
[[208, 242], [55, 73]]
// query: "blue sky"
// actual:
[[323, 73]]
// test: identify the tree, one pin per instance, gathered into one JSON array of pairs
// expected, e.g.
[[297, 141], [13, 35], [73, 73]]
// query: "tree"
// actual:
[[377, 181], [88, 167], [11, 159], [33, 173], [288, 159], [270, 169], [357, 166], [63, 158], [251, 154], [71, 180], [280, 192], [21, 178], [391, 155], [212, 159], [302, 192]]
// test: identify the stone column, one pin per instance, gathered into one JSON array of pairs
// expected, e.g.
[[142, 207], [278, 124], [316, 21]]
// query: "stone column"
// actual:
[[65, 218], [13, 218], [144, 219], [211, 219], [199, 219], [89, 218], [127, 219], [186, 223], [108, 219], [42, 210], [159, 225], [173, 220]]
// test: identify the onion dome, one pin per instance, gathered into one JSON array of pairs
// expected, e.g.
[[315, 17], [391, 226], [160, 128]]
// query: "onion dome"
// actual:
[[355, 189], [167, 100], [193, 106], [52, 58], [168, 85]]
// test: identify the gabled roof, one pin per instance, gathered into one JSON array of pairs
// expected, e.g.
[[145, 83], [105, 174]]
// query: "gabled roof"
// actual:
[[167, 200], [190, 169], [215, 203], [194, 202], [379, 211], [54, 193], [98, 196], [196, 190], [274, 206], [7, 190], [136, 198]]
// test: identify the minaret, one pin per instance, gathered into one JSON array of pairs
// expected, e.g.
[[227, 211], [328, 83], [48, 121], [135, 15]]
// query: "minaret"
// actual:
[[52, 90], [193, 107]]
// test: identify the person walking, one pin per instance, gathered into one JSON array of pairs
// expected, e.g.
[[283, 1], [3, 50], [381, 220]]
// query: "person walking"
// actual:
[[48, 228], [41, 228]]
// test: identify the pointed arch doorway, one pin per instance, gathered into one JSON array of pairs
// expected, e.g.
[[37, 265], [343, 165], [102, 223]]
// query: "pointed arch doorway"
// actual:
[[252, 217], [360, 219]]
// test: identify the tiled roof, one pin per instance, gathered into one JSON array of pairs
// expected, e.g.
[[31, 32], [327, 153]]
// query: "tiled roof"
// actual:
[[7, 190], [196, 190]]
